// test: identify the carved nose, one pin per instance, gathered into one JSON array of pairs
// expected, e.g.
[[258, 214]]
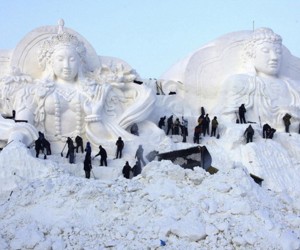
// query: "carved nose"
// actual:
[[274, 55], [66, 63]]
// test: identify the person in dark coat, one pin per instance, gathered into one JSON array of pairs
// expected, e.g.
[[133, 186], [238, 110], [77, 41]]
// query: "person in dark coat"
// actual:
[[47, 146], [201, 122], [170, 125], [137, 168], [120, 146], [249, 132], [41, 144], [272, 132], [71, 150], [103, 155], [38, 147], [197, 132], [266, 130], [87, 166], [242, 111], [79, 143], [126, 170], [139, 155], [214, 126], [287, 122], [205, 126], [161, 122], [176, 126], [88, 150], [134, 129]]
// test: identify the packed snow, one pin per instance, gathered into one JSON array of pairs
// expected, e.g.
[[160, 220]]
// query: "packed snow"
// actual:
[[49, 204]]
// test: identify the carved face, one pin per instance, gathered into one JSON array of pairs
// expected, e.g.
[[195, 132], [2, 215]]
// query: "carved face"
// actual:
[[65, 64], [267, 58]]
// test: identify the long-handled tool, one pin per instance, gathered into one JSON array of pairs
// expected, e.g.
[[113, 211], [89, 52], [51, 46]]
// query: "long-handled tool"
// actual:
[[61, 154], [93, 174]]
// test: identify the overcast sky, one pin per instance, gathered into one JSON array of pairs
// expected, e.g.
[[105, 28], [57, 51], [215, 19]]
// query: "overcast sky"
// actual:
[[151, 35]]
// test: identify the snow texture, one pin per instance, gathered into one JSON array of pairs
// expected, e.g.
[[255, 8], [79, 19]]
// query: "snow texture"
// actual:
[[48, 204]]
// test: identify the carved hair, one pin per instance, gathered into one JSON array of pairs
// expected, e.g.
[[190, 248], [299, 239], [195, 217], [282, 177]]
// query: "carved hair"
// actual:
[[259, 36], [65, 39]]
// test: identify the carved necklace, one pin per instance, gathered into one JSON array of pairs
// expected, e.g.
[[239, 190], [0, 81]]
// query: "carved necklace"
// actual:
[[68, 96]]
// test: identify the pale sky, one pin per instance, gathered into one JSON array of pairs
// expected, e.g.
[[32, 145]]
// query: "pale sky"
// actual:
[[151, 35]]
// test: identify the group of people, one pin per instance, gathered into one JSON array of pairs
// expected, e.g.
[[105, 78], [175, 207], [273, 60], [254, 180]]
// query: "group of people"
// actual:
[[267, 130], [174, 127], [203, 126], [129, 171], [73, 148], [126, 171]]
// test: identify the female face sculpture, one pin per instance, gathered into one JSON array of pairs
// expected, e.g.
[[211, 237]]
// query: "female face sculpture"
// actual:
[[65, 64], [267, 58], [264, 49], [62, 56]]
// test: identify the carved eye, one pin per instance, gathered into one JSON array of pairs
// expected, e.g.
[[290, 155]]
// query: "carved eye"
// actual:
[[265, 50]]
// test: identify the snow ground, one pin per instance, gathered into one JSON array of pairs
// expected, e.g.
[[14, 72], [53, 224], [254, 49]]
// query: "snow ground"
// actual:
[[48, 204]]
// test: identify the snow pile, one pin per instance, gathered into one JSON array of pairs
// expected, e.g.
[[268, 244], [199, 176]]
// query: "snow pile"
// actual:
[[17, 165], [52, 209]]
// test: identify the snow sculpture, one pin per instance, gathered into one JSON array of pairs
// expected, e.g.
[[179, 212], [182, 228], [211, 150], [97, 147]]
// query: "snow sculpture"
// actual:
[[250, 67], [64, 91], [266, 95]]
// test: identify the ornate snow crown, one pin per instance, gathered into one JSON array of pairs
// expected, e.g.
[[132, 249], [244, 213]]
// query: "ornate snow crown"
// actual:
[[259, 36], [63, 38]]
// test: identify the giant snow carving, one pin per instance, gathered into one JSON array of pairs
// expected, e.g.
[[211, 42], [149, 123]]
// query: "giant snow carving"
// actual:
[[253, 68], [60, 86]]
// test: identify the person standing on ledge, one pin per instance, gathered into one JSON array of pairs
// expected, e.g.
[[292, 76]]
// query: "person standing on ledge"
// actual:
[[71, 151], [88, 149], [120, 146], [79, 143], [161, 122], [206, 123], [139, 155], [242, 111], [287, 122], [170, 125], [87, 166], [214, 125], [249, 132]]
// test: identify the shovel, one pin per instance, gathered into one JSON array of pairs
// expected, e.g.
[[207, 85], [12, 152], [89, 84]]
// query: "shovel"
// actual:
[[61, 154]]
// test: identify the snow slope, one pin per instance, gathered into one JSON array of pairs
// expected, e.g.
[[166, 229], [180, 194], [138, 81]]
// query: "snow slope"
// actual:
[[48, 204]]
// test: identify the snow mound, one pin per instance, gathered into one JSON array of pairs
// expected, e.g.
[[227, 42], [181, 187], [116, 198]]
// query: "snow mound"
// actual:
[[184, 208], [17, 165]]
